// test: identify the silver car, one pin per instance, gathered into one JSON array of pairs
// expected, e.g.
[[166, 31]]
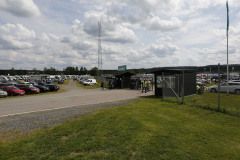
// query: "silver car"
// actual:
[[3, 93], [234, 87]]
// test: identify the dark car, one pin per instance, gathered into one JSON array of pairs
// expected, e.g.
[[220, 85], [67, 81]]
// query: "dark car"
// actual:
[[33, 83], [29, 88], [13, 90], [60, 81], [49, 82], [42, 88], [7, 84], [52, 87], [42, 83]]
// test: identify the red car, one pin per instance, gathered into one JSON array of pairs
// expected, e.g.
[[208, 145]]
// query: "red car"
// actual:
[[28, 88], [13, 91]]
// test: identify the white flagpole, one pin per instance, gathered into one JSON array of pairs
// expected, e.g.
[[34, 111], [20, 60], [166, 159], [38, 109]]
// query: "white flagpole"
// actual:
[[227, 47], [227, 68]]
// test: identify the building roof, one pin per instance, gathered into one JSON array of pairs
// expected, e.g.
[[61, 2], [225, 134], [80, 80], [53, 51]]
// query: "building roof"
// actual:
[[125, 74], [174, 71]]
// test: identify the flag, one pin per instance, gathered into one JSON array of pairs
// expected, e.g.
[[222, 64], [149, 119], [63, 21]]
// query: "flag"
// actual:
[[227, 16]]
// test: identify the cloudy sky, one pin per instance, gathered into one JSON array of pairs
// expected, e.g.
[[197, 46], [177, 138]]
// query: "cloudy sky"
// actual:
[[136, 33]]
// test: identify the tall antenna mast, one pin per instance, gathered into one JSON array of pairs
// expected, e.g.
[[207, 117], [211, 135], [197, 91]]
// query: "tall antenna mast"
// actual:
[[99, 50]]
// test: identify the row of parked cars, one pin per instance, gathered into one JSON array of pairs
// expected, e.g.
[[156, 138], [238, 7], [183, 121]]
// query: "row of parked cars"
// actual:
[[233, 87], [22, 88]]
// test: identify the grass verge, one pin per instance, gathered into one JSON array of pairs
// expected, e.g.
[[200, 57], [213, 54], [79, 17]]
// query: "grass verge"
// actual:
[[148, 129], [229, 104]]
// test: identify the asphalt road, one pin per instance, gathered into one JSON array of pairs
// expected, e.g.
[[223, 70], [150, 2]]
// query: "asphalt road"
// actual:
[[74, 96]]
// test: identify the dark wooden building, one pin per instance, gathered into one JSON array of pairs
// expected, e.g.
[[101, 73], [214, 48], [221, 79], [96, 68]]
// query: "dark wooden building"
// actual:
[[123, 80], [174, 82]]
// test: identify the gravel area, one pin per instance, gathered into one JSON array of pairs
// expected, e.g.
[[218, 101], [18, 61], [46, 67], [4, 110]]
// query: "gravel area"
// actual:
[[29, 122]]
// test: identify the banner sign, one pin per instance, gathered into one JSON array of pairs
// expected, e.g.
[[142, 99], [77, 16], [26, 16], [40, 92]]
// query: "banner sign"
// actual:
[[122, 68]]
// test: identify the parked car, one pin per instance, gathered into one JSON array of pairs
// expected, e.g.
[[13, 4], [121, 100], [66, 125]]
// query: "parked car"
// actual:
[[42, 88], [90, 82], [60, 81], [5, 84], [234, 87], [33, 83], [8, 84], [49, 82], [235, 81], [28, 88], [24, 83], [42, 83], [52, 87], [3, 93], [13, 90]]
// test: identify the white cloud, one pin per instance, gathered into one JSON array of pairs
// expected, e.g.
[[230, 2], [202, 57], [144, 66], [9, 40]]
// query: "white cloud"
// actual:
[[111, 30], [155, 23], [16, 37], [20, 8], [162, 50], [140, 34]]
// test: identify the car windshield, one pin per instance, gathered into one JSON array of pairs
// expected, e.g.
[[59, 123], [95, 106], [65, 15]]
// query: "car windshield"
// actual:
[[14, 88]]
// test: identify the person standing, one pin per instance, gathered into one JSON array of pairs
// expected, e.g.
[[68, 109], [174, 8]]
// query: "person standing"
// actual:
[[147, 85], [102, 86], [144, 86]]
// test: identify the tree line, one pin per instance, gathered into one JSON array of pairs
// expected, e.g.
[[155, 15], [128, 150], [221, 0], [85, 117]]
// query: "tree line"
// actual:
[[52, 71], [94, 71]]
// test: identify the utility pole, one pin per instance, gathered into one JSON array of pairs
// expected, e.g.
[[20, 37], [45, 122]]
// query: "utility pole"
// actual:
[[100, 69]]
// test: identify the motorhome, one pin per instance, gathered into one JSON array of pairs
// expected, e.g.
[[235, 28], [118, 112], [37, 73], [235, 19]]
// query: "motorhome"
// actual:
[[3, 78]]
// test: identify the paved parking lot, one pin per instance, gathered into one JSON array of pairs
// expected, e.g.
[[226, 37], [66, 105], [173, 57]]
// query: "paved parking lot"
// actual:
[[74, 96]]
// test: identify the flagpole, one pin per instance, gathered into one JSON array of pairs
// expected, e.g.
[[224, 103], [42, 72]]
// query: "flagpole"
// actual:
[[227, 46], [227, 68]]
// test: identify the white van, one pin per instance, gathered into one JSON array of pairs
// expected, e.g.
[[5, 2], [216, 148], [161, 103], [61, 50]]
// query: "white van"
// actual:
[[90, 82]]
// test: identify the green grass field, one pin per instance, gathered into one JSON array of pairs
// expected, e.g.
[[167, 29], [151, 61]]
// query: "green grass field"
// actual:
[[228, 103], [148, 129]]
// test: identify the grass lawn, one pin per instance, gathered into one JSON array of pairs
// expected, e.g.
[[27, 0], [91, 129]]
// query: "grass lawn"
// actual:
[[228, 103], [148, 129]]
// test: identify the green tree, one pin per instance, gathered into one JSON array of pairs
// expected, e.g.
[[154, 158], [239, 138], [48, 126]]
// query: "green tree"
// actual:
[[93, 71], [85, 71], [12, 71]]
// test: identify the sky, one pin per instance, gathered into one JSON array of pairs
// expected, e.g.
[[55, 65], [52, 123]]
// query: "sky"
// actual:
[[136, 33]]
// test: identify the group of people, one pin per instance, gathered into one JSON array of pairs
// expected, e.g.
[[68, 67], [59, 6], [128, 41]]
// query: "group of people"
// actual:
[[111, 85], [145, 86], [200, 88]]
